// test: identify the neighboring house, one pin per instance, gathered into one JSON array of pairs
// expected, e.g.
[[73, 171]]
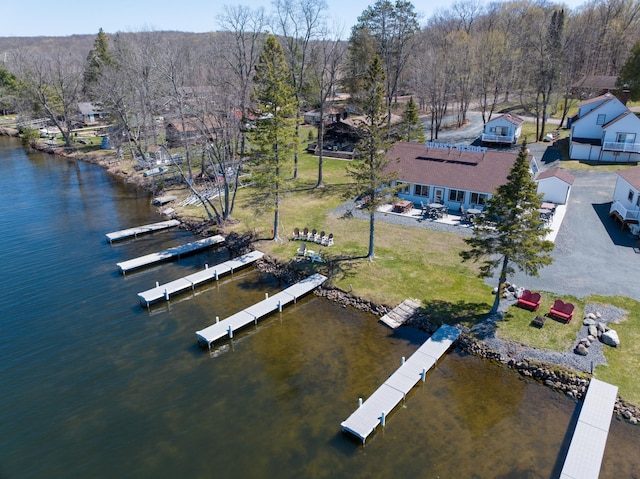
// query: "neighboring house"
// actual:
[[89, 113], [605, 130], [194, 130], [456, 176], [555, 184], [590, 85], [626, 198], [330, 114], [504, 129]]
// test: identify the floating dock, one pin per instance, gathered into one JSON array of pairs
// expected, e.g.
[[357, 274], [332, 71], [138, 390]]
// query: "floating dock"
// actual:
[[176, 251], [193, 280], [227, 326], [401, 313], [374, 410], [589, 439], [140, 230]]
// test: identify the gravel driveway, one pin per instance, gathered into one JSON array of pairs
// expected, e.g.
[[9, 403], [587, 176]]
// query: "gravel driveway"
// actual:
[[592, 254]]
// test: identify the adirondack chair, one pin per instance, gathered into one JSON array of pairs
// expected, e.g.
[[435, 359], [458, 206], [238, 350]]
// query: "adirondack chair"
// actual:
[[302, 250], [296, 234]]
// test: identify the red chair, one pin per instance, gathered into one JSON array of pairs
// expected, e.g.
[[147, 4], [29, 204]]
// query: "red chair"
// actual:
[[529, 300], [561, 311]]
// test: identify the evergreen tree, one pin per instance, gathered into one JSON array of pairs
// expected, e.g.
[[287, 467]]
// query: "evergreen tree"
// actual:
[[629, 77], [371, 181], [273, 138], [511, 233], [97, 58], [411, 128]]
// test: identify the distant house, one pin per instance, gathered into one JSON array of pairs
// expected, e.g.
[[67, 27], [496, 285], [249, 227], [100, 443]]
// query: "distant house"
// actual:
[[625, 206], [89, 113], [594, 85], [330, 115], [456, 176], [194, 130], [605, 130], [504, 129], [555, 185]]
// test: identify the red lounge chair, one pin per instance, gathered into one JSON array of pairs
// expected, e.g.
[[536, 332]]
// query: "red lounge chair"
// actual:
[[561, 311], [529, 300]]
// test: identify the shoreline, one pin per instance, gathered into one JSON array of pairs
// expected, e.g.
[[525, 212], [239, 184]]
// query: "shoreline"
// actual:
[[560, 377]]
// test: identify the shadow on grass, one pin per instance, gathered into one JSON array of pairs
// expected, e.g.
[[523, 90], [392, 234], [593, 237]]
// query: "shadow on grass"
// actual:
[[335, 268], [446, 312]]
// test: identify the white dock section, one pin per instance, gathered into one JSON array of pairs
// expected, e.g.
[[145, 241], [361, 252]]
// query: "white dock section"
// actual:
[[227, 326], [169, 253], [373, 411], [584, 458], [401, 313], [193, 280], [139, 230]]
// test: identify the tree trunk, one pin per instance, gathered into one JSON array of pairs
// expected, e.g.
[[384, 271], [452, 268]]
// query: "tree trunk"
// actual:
[[372, 228], [501, 281]]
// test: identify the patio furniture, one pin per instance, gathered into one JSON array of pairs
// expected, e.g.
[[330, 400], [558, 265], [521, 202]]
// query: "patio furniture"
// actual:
[[436, 210], [529, 300], [296, 234], [403, 206], [561, 311], [318, 237], [545, 214], [302, 250], [327, 241], [311, 235]]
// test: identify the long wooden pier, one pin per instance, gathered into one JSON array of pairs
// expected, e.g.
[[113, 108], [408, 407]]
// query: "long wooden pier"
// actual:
[[140, 230], [176, 251], [191, 281], [227, 326], [584, 457], [374, 410]]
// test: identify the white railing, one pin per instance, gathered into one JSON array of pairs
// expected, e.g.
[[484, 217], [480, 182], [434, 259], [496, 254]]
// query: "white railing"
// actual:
[[624, 147], [623, 212], [497, 138]]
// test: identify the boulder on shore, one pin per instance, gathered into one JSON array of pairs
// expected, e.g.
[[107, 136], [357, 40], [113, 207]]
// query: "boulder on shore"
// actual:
[[610, 338]]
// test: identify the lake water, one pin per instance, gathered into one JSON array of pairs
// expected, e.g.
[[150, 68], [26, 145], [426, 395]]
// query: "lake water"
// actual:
[[93, 385]]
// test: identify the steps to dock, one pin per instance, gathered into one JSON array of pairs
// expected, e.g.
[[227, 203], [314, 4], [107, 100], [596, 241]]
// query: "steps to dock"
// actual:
[[192, 280], [401, 313], [174, 252], [584, 457], [228, 326], [140, 230], [375, 409]]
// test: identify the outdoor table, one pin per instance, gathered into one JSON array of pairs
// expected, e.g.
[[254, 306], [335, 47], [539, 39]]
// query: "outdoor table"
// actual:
[[403, 206], [545, 214], [474, 211], [437, 210]]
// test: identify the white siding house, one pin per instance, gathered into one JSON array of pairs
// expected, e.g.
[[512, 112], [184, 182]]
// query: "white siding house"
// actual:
[[555, 185], [605, 130], [626, 198], [504, 129]]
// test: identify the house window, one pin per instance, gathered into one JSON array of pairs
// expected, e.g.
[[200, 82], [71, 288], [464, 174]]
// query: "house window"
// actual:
[[626, 138], [404, 187], [601, 119], [638, 200], [630, 195], [478, 199], [421, 190], [456, 196]]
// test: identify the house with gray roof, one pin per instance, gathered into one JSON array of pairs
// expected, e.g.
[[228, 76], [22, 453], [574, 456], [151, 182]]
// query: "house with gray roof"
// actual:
[[555, 185], [605, 130], [504, 129]]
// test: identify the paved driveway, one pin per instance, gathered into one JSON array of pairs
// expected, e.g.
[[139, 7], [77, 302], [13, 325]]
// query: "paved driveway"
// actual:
[[592, 255]]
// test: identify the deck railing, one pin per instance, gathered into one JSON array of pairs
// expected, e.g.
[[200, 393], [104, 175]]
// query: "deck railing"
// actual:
[[623, 212], [498, 138], [623, 147]]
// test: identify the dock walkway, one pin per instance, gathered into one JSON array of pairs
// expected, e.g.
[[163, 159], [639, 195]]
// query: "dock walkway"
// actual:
[[584, 457], [139, 230], [227, 326], [191, 281], [373, 411], [176, 251], [401, 313]]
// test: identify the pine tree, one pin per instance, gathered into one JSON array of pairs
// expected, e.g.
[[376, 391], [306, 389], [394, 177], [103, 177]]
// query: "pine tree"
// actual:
[[272, 140], [511, 233], [411, 129], [629, 77], [369, 171], [97, 58]]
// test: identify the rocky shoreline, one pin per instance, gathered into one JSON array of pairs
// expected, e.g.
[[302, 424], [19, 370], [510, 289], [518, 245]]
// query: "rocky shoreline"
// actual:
[[565, 380]]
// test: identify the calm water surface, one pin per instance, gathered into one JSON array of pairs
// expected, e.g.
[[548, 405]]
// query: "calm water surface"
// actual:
[[95, 386]]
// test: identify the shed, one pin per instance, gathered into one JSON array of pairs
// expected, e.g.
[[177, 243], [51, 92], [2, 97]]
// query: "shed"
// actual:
[[555, 185]]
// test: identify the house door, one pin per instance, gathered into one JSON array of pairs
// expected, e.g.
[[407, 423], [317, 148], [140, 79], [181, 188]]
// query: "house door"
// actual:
[[439, 192]]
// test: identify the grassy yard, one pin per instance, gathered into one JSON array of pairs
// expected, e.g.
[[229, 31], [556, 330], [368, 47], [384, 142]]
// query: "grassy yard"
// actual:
[[623, 361]]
